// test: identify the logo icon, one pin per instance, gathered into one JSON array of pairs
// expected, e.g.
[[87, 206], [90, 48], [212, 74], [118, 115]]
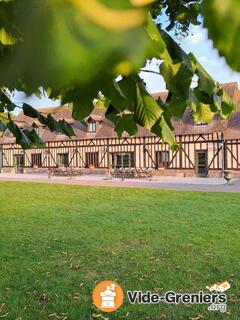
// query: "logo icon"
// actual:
[[219, 287], [108, 296]]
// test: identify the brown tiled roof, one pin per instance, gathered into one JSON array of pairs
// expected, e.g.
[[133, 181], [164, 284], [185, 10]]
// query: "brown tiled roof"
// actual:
[[186, 125], [231, 88], [162, 95]]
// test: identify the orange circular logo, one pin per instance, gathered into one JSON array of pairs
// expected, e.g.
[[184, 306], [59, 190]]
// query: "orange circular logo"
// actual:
[[108, 296]]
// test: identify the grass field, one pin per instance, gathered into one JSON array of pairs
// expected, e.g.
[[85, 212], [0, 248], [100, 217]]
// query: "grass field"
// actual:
[[58, 241]]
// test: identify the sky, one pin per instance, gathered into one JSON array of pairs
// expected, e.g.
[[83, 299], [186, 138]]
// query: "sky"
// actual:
[[197, 42]]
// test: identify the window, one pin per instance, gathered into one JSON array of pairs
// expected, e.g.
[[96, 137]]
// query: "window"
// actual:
[[92, 126], [162, 158], [92, 159], [199, 123], [123, 160], [36, 160], [63, 159]]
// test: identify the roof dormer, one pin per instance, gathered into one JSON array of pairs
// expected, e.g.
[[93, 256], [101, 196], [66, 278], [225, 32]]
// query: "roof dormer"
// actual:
[[92, 125]]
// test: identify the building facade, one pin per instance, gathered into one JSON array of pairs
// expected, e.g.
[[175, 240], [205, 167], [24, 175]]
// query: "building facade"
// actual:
[[205, 150]]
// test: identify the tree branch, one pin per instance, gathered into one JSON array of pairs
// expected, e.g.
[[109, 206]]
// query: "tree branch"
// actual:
[[150, 71]]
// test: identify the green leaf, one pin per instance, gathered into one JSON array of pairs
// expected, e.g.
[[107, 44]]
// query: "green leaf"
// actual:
[[227, 106], [217, 101], [115, 94], [102, 102], [5, 102], [205, 81], [53, 125], [77, 49], [126, 123], [177, 105], [112, 114], [6, 38], [156, 47], [221, 18], [128, 88], [42, 119], [147, 111], [3, 126], [203, 97], [163, 130], [177, 76], [84, 39], [81, 110], [176, 53], [66, 128], [80, 98], [30, 111], [20, 136], [34, 138], [203, 113], [33, 113], [60, 126]]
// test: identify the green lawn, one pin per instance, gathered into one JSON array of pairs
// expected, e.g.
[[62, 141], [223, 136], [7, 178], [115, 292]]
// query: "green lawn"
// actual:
[[57, 241]]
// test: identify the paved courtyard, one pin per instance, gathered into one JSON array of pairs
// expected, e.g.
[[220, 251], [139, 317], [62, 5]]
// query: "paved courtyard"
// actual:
[[168, 183]]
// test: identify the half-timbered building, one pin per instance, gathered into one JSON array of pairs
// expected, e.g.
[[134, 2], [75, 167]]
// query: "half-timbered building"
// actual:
[[204, 149]]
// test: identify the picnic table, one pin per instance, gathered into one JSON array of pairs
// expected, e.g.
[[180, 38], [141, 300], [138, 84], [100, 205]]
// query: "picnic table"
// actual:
[[65, 172], [142, 173], [123, 173]]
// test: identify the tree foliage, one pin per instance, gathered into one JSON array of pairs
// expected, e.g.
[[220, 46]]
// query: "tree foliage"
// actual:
[[180, 13], [81, 50], [223, 23]]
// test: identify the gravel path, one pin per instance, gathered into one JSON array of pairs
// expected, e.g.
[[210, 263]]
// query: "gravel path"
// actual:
[[167, 183]]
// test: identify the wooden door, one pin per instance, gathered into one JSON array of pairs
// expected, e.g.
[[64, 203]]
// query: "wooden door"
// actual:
[[202, 163], [19, 163]]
